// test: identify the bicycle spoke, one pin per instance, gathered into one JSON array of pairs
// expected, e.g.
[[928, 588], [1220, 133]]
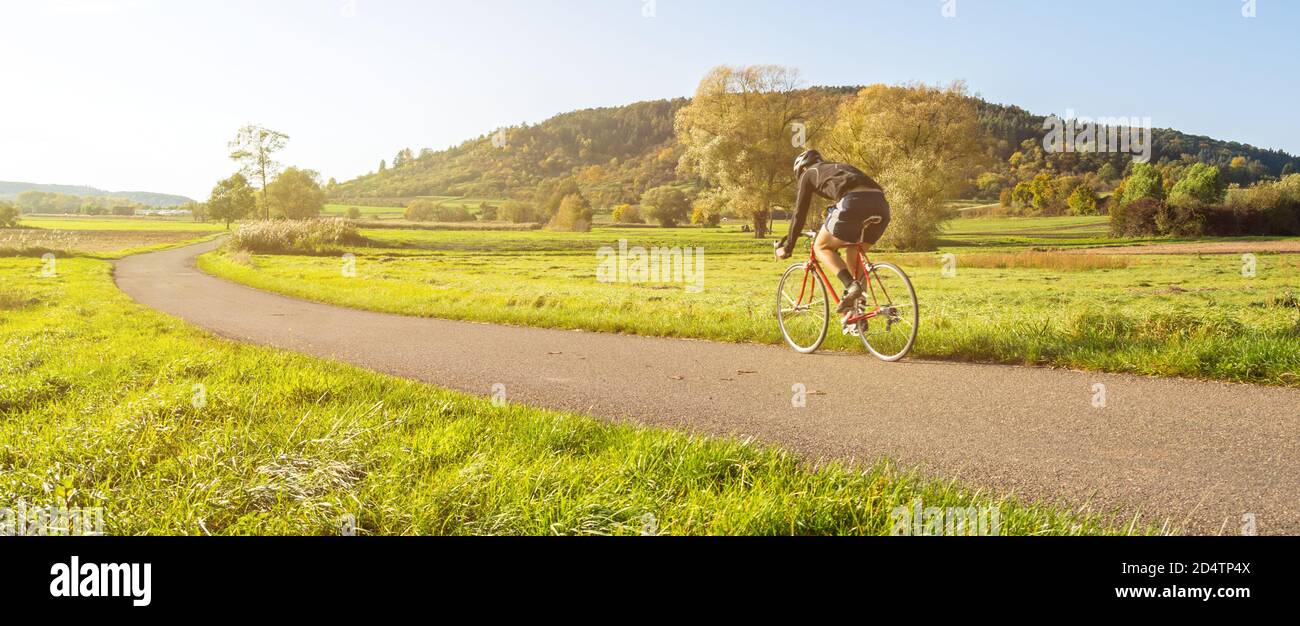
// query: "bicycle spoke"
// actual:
[[802, 309], [889, 335]]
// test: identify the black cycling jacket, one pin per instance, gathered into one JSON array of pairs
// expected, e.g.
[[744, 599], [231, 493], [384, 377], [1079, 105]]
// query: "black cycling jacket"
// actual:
[[828, 180]]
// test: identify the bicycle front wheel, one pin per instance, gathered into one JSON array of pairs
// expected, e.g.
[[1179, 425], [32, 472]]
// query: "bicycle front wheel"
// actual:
[[802, 309], [891, 334]]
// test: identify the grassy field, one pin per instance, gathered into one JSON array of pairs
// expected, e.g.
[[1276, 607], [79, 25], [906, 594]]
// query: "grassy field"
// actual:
[[1172, 315], [147, 224], [387, 212], [104, 403], [99, 237]]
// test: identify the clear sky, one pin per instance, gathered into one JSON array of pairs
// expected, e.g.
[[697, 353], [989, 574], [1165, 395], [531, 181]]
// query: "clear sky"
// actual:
[[144, 94]]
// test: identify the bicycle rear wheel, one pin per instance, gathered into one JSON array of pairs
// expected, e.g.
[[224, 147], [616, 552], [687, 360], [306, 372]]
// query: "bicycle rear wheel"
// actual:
[[802, 309], [891, 334]]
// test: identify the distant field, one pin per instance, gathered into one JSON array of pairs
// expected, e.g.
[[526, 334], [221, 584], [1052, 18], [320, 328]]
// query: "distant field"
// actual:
[[1027, 231], [388, 212], [1175, 315], [118, 223], [103, 237]]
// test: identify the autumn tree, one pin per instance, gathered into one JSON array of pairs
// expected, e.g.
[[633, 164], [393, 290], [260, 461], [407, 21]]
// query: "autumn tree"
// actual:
[[296, 194], [254, 149], [8, 215], [666, 205], [742, 132], [574, 214], [232, 199], [920, 142]]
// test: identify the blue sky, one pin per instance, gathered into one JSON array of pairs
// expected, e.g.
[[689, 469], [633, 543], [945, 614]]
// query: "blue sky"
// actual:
[[144, 94]]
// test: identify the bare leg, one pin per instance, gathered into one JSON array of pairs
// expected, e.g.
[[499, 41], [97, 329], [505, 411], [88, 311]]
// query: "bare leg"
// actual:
[[827, 248], [855, 261]]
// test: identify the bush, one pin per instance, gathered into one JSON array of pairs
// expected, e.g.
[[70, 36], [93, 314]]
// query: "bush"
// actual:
[[457, 213], [518, 213], [628, 214], [666, 205], [1134, 219], [318, 236], [703, 216], [1271, 207], [573, 215], [421, 211], [354, 213], [1188, 219], [8, 215], [487, 212]]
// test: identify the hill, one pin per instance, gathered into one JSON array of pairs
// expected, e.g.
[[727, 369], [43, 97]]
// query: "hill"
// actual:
[[11, 190], [616, 153]]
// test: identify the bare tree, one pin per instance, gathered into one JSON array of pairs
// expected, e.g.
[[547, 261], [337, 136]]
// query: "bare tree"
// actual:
[[254, 149]]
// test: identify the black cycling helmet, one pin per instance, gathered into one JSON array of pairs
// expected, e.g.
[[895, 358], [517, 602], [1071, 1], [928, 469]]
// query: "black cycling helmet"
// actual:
[[808, 158]]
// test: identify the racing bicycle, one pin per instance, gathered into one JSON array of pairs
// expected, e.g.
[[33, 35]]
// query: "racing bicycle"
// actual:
[[886, 317]]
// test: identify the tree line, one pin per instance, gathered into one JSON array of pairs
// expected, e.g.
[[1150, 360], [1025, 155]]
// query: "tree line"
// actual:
[[615, 156]]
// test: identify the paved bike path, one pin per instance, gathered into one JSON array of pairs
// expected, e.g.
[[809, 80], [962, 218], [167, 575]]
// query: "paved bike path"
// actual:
[[1198, 454]]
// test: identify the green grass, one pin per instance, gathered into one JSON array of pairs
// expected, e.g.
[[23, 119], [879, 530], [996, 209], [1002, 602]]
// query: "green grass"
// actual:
[[118, 223], [99, 407], [1171, 315], [388, 212]]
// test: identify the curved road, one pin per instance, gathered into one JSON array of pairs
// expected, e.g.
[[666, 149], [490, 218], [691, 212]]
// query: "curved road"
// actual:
[[1198, 455]]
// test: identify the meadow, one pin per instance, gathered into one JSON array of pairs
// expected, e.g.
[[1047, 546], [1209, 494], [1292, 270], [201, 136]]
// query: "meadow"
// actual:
[[398, 212], [100, 237], [170, 430], [1001, 297]]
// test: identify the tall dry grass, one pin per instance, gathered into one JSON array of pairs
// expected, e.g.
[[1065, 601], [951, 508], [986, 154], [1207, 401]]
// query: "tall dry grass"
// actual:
[[1059, 261], [319, 236]]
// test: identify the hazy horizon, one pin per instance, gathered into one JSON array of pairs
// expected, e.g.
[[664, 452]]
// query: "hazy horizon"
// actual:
[[143, 95]]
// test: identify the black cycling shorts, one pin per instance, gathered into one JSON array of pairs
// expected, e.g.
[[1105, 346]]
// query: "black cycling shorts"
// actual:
[[844, 220]]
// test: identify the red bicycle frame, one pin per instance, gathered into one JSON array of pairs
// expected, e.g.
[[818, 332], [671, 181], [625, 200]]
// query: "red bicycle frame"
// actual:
[[814, 268]]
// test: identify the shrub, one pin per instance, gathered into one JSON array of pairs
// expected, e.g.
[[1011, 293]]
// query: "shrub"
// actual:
[[456, 213], [702, 215], [1271, 208], [421, 211], [1134, 219], [1187, 219], [518, 213], [487, 212], [666, 205], [354, 213], [627, 214], [316, 236], [8, 215], [573, 215]]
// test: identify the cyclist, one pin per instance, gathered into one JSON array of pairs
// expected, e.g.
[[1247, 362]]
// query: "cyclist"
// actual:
[[857, 198]]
